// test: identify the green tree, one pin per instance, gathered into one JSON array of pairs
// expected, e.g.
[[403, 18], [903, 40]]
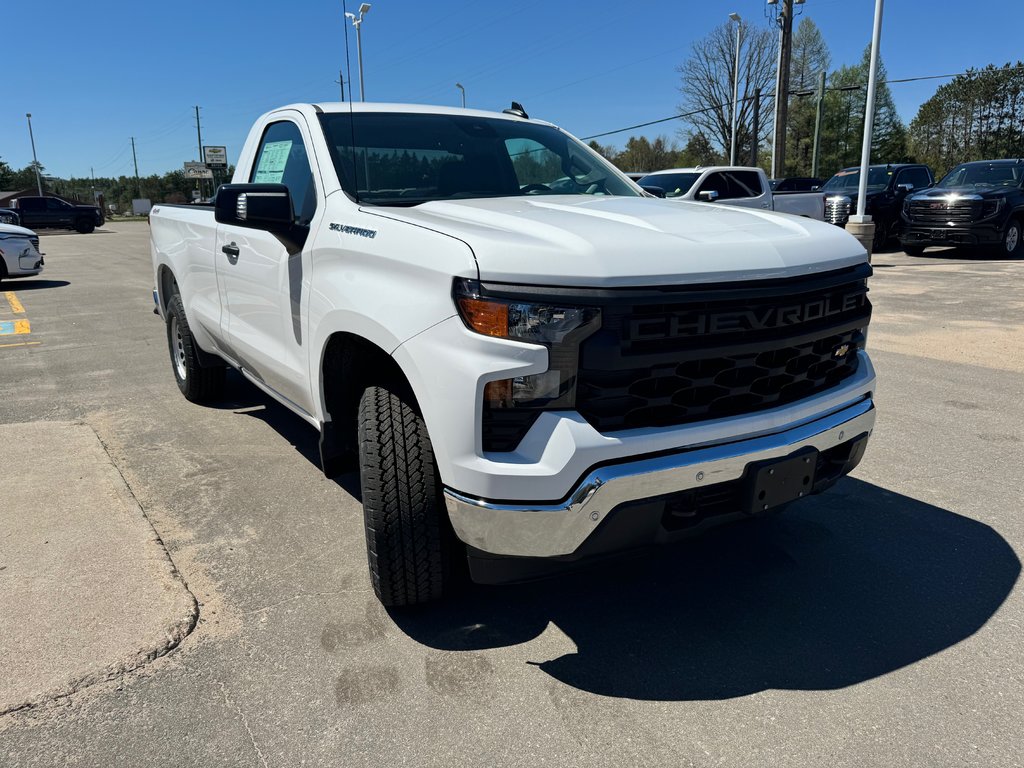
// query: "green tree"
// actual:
[[698, 151], [843, 120], [976, 116], [810, 58], [643, 155], [6, 175]]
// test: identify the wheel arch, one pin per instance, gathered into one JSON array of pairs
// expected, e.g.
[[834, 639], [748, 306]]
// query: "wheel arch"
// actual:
[[349, 363]]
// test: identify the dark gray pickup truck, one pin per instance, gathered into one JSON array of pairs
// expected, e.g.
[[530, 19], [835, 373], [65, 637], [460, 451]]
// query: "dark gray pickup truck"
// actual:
[[55, 213]]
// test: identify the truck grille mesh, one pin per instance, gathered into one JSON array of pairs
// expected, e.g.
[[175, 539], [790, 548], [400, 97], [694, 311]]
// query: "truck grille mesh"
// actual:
[[837, 211], [723, 352], [929, 211]]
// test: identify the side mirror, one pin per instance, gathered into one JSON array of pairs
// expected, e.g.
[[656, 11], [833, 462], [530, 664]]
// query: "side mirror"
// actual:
[[259, 206], [656, 191], [904, 188], [708, 195], [815, 188]]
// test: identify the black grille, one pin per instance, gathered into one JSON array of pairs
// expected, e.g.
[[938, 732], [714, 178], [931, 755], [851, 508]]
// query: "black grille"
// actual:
[[722, 350], [939, 211], [35, 242]]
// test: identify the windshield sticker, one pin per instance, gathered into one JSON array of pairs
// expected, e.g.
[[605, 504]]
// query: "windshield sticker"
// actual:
[[273, 158]]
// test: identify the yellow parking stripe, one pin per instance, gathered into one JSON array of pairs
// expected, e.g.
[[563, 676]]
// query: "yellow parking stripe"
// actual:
[[16, 306], [21, 344]]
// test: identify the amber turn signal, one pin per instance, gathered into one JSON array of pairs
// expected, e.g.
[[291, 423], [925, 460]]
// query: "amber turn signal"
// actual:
[[487, 317]]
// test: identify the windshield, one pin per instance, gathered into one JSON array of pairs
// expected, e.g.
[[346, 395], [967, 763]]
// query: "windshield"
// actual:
[[849, 180], [984, 175], [395, 158], [674, 184]]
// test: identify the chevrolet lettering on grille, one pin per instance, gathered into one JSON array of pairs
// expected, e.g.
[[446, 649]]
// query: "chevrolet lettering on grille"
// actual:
[[759, 319]]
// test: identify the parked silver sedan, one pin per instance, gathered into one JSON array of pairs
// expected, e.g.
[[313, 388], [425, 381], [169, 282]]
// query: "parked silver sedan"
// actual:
[[19, 252]]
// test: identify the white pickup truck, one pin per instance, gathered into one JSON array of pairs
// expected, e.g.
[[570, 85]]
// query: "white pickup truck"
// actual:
[[733, 185], [529, 361]]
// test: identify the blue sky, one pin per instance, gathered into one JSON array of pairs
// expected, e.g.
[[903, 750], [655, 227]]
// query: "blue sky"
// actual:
[[94, 74]]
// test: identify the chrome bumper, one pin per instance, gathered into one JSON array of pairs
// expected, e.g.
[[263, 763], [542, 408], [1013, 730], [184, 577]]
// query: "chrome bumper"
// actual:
[[548, 530]]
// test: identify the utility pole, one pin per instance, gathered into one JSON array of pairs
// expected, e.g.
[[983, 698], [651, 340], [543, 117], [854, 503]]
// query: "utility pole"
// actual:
[[756, 127], [138, 187], [35, 162], [817, 123], [199, 135], [782, 87]]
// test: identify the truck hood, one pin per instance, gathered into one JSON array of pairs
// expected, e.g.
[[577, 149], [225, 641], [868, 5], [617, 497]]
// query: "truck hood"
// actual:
[[13, 229], [969, 193], [579, 240]]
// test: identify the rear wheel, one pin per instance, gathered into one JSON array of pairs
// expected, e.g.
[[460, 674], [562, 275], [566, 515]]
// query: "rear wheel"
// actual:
[[913, 250], [409, 541], [197, 384]]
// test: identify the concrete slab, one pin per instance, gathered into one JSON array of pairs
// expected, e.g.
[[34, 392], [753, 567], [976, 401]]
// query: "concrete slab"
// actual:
[[87, 590]]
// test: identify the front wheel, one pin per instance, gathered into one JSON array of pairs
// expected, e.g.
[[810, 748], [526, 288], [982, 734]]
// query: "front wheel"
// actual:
[[913, 250], [1011, 244], [84, 226], [197, 384], [408, 536]]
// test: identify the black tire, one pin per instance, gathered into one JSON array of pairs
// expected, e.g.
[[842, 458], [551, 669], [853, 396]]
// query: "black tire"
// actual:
[[197, 384], [880, 238], [913, 250], [1011, 242], [84, 226], [408, 536]]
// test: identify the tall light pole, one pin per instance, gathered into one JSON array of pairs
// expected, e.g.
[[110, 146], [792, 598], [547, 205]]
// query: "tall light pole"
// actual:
[[35, 162], [735, 87], [459, 86], [862, 227], [357, 22]]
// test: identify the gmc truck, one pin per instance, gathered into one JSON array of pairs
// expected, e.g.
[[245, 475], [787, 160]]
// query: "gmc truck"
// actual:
[[55, 213], [977, 205], [530, 361]]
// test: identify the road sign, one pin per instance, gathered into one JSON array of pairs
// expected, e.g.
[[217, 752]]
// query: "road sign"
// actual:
[[197, 171], [215, 157]]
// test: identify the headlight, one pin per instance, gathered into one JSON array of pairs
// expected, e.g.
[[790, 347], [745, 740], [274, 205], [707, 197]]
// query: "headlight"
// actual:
[[512, 405], [992, 207]]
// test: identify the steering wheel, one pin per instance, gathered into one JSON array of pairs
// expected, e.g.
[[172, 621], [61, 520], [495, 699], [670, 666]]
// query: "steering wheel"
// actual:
[[533, 189]]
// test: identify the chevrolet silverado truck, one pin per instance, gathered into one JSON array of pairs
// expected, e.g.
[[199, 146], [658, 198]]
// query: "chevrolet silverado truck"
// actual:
[[887, 188], [55, 213], [733, 185], [530, 361], [976, 205], [19, 252]]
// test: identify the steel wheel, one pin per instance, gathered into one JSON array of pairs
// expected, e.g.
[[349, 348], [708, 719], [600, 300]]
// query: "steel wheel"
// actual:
[[178, 350]]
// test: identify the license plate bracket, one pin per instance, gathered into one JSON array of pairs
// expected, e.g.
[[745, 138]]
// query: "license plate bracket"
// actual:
[[775, 482]]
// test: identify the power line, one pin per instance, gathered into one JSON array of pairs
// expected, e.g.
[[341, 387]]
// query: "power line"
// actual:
[[772, 95]]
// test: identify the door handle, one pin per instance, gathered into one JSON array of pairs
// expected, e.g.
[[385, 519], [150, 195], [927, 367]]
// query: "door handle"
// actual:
[[232, 251]]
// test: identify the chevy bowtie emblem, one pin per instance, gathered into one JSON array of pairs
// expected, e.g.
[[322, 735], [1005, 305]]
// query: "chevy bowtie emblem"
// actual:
[[841, 351]]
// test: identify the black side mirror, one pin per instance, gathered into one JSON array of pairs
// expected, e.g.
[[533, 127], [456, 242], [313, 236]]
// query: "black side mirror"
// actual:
[[708, 195], [904, 188], [656, 191], [259, 206]]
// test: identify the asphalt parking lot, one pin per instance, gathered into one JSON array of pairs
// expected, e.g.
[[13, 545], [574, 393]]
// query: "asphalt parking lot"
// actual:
[[877, 624]]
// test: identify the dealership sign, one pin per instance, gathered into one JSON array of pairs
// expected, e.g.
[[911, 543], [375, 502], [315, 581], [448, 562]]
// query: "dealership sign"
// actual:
[[197, 171], [215, 157]]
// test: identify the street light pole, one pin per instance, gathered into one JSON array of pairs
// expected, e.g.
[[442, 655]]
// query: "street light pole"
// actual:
[[735, 88], [35, 162], [459, 86], [357, 22]]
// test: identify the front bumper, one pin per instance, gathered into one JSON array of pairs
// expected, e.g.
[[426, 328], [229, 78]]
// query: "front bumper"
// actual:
[[559, 529], [975, 234]]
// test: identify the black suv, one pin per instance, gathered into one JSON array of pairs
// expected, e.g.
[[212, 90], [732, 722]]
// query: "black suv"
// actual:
[[975, 204], [888, 185]]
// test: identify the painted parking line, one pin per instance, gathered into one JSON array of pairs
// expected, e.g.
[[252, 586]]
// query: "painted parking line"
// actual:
[[11, 327], [21, 344], [12, 300]]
